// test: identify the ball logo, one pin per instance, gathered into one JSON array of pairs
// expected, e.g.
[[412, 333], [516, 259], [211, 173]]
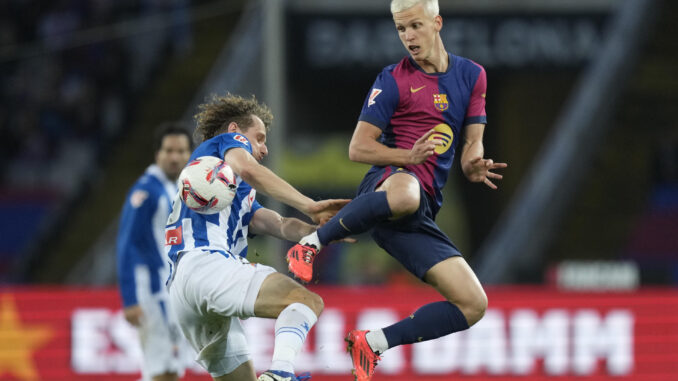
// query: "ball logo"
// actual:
[[444, 133]]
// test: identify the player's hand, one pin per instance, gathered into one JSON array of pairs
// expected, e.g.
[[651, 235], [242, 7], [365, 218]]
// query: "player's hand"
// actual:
[[134, 315], [479, 170], [424, 148], [321, 211]]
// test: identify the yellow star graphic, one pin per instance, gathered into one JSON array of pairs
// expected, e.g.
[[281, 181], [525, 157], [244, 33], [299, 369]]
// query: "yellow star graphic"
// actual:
[[17, 342]]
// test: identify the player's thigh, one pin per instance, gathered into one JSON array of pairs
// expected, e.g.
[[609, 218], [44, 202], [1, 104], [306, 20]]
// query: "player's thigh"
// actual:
[[457, 282], [402, 193], [416, 242], [244, 372], [279, 291], [207, 293], [214, 284]]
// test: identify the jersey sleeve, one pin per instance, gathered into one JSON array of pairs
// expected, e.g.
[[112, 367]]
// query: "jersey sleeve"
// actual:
[[475, 113], [135, 240], [233, 140], [381, 102]]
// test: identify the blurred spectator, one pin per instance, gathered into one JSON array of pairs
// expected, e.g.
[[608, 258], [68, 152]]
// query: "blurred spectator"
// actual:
[[60, 109]]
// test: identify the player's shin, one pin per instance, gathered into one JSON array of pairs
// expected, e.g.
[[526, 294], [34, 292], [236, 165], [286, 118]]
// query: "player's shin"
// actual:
[[291, 328], [357, 217], [429, 322]]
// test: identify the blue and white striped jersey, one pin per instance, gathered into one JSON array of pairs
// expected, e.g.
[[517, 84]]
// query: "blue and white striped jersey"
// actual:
[[140, 244], [224, 232]]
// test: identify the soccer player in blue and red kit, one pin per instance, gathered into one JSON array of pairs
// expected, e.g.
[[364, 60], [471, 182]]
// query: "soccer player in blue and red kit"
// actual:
[[409, 129]]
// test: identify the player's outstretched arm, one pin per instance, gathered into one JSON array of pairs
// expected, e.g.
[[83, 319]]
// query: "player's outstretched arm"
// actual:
[[269, 222], [475, 168], [323, 210], [265, 181], [365, 148]]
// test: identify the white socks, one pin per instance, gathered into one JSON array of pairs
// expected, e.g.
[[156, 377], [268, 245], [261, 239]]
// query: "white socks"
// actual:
[[291, 329], [312, 239], [377, 341]]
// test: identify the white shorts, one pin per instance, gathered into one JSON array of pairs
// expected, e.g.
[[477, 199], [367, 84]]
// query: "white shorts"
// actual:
[[209, 292], [159, 333]]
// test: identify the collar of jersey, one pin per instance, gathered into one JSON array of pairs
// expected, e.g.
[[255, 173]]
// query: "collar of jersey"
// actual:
[[437, 74]]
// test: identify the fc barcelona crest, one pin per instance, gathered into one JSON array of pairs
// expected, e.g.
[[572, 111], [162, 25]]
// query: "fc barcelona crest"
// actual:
[[440, 101]]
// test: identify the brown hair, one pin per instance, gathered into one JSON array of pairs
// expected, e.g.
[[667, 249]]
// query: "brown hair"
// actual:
[[215, 115]]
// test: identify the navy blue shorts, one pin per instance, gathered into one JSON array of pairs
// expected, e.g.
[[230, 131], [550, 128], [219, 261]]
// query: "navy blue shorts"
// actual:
[[415, 241]]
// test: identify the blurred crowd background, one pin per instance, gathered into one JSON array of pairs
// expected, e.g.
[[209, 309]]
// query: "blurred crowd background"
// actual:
[[83, 83]]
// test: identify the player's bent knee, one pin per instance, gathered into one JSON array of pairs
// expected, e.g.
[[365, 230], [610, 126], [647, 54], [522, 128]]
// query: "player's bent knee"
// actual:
[[475, 309], [318, 304], [402, 193], [403, 203], [308, 298]]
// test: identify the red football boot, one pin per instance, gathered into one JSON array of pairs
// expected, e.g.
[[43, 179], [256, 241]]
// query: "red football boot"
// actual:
[[300, 261], [364, 359]]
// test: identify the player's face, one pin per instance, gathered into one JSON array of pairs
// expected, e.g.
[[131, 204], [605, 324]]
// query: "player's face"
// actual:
[[256, 134], [173, 155], [418, 31]]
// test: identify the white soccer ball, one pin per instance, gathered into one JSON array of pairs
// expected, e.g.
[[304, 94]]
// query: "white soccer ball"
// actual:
[[207, 185]]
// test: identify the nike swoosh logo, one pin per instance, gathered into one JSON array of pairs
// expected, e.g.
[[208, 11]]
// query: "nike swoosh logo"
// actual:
[[412, 90], [341, 222]]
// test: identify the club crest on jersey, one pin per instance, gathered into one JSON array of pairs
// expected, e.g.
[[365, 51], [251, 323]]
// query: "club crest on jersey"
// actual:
[[241, 139], [138, 197], [440, 101], [373, 95]]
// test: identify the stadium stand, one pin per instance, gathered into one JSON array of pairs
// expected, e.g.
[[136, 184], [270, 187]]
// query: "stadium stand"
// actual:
[[73, 74]]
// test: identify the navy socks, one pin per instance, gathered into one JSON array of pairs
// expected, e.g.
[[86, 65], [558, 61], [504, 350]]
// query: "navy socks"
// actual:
[[357, 217], [429, 322]]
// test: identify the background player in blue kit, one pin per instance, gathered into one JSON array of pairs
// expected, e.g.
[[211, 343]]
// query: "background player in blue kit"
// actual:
[[409, 129], [142, 268], [212, 284]]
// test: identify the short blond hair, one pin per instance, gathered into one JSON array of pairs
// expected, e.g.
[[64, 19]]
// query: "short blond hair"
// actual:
[[430, 6]]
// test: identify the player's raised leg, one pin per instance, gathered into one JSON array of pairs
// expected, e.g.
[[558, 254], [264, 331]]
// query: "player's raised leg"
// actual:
[[396, 197]]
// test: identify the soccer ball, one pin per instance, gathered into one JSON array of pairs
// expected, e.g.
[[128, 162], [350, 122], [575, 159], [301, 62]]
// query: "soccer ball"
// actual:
[[207, 185]]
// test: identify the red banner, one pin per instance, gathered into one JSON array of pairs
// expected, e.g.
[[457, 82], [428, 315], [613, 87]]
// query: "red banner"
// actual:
[[526, 334]]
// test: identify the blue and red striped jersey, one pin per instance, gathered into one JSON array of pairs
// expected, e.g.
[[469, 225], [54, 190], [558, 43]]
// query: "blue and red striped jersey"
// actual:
[[406, 102]]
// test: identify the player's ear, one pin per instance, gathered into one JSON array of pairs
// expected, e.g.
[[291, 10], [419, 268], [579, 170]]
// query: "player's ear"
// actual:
[[233, 127], [438, 22]]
